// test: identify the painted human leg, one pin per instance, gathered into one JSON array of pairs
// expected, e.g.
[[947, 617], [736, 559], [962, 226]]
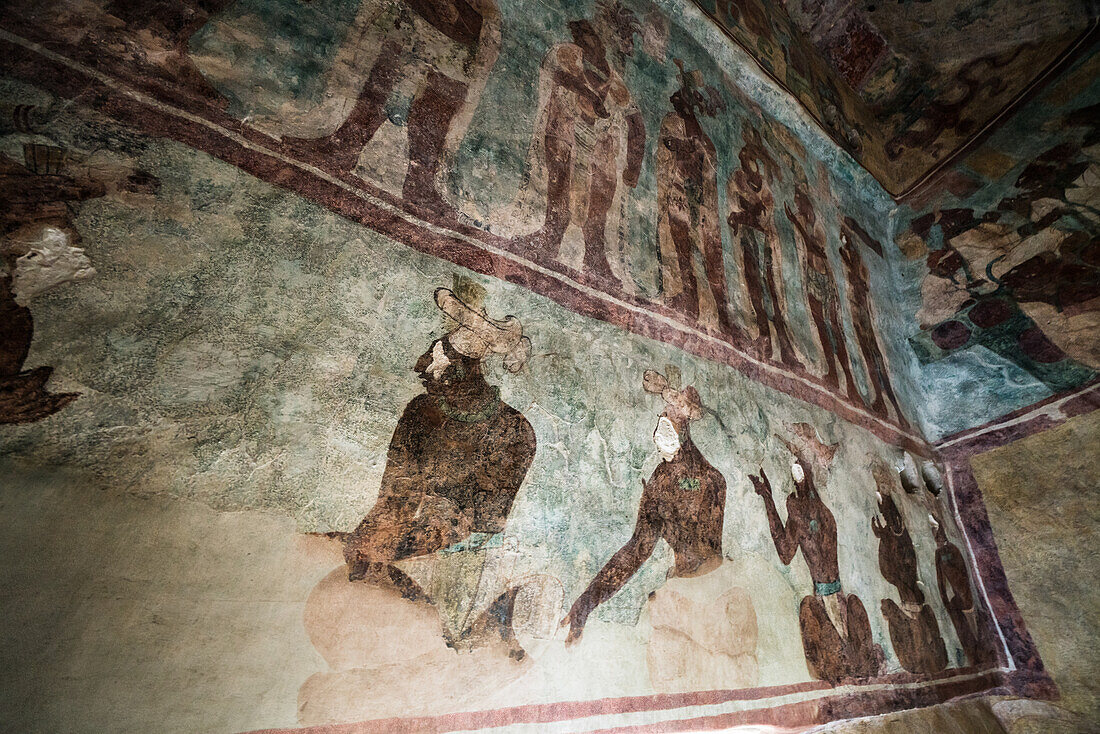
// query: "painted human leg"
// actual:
[[687, 301], [754, 279], [825, 649], [429, 121], [602, 182], [342, 148]]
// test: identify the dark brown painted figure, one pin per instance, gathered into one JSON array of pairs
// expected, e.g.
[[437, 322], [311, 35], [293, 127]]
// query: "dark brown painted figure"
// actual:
[[437, 103], [589, 121], [687, 204], [836, 632], [822, 295], [457, 457], [953, 581], [863, 320], [914, 632], [32, 197], [683, 502], [752, 221]]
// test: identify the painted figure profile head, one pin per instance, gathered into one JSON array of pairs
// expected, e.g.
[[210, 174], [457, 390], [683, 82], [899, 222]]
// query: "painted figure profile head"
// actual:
[[695, 96], [808, 453], [455, 359], [682, 407], [618, 24]]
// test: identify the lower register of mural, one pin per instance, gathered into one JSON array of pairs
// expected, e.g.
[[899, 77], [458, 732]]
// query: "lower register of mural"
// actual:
[[304, 474]]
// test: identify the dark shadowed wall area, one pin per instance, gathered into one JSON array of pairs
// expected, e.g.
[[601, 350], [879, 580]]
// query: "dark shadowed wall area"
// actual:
[[472, 364]]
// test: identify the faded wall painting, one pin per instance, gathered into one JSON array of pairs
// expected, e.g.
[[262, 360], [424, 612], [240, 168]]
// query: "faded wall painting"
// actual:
[[903, 87], [1008, 256], [596, 145], [468, 361], [486, 495]]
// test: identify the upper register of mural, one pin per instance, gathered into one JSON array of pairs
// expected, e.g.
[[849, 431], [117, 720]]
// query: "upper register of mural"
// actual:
[[586, 394]]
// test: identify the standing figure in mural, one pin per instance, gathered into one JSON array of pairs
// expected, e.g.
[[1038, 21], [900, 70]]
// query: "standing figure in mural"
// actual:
[[683, 502], [860, 302], [836, 632], [752, 222], [420, 63], [457, 458], [687, 204], [822, 294], [38, 252], [914, 631], [953, 581], [590, 140]]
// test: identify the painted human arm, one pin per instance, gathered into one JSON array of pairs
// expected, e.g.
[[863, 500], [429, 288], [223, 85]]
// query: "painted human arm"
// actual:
[[566, 65], [617, 571], [635, 147], [784, 537]]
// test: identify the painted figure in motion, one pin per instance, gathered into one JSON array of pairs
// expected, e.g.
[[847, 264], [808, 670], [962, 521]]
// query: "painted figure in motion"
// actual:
[[683, 502], [590, 140], [421, 64], [456, 460], [836, 632], [858, 285], [822, 295], [914, 632], [687, 205], [751, 219]]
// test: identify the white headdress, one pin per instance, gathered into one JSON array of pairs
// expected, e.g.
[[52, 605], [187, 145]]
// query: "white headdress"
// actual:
[[477, 335]]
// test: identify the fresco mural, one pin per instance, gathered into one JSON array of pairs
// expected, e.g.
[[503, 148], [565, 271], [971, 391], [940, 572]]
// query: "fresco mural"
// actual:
[[903, 86], [1011, 280], [602, 164], [836, 633], [39, 250], [389, 284]]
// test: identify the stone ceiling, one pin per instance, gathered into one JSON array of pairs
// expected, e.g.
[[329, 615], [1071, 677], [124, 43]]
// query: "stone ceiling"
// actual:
[[906, 86]]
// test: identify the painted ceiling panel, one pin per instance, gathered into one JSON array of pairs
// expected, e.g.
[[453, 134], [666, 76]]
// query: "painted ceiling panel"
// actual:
[[905, 87]]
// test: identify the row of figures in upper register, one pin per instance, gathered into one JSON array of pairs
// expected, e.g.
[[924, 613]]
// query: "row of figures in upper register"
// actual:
[[459, 455], [409, 75]]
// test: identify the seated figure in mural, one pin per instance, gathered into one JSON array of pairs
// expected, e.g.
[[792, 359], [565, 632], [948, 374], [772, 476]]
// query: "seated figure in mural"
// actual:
[[751, 219], [589, 141], [836, 632], [687, 205], [953, 581], [456, 460], [864, 318], [683, 502], [822, 295], [418, 63], [914, 632]]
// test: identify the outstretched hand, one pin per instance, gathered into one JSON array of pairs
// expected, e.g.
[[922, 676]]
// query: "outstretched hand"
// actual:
[[761, 484], [575, 621]]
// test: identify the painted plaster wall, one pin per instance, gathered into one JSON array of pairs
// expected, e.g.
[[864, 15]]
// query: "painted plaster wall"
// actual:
[[244, 350], [1002, 280], [229, 379], [1041, 493]]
